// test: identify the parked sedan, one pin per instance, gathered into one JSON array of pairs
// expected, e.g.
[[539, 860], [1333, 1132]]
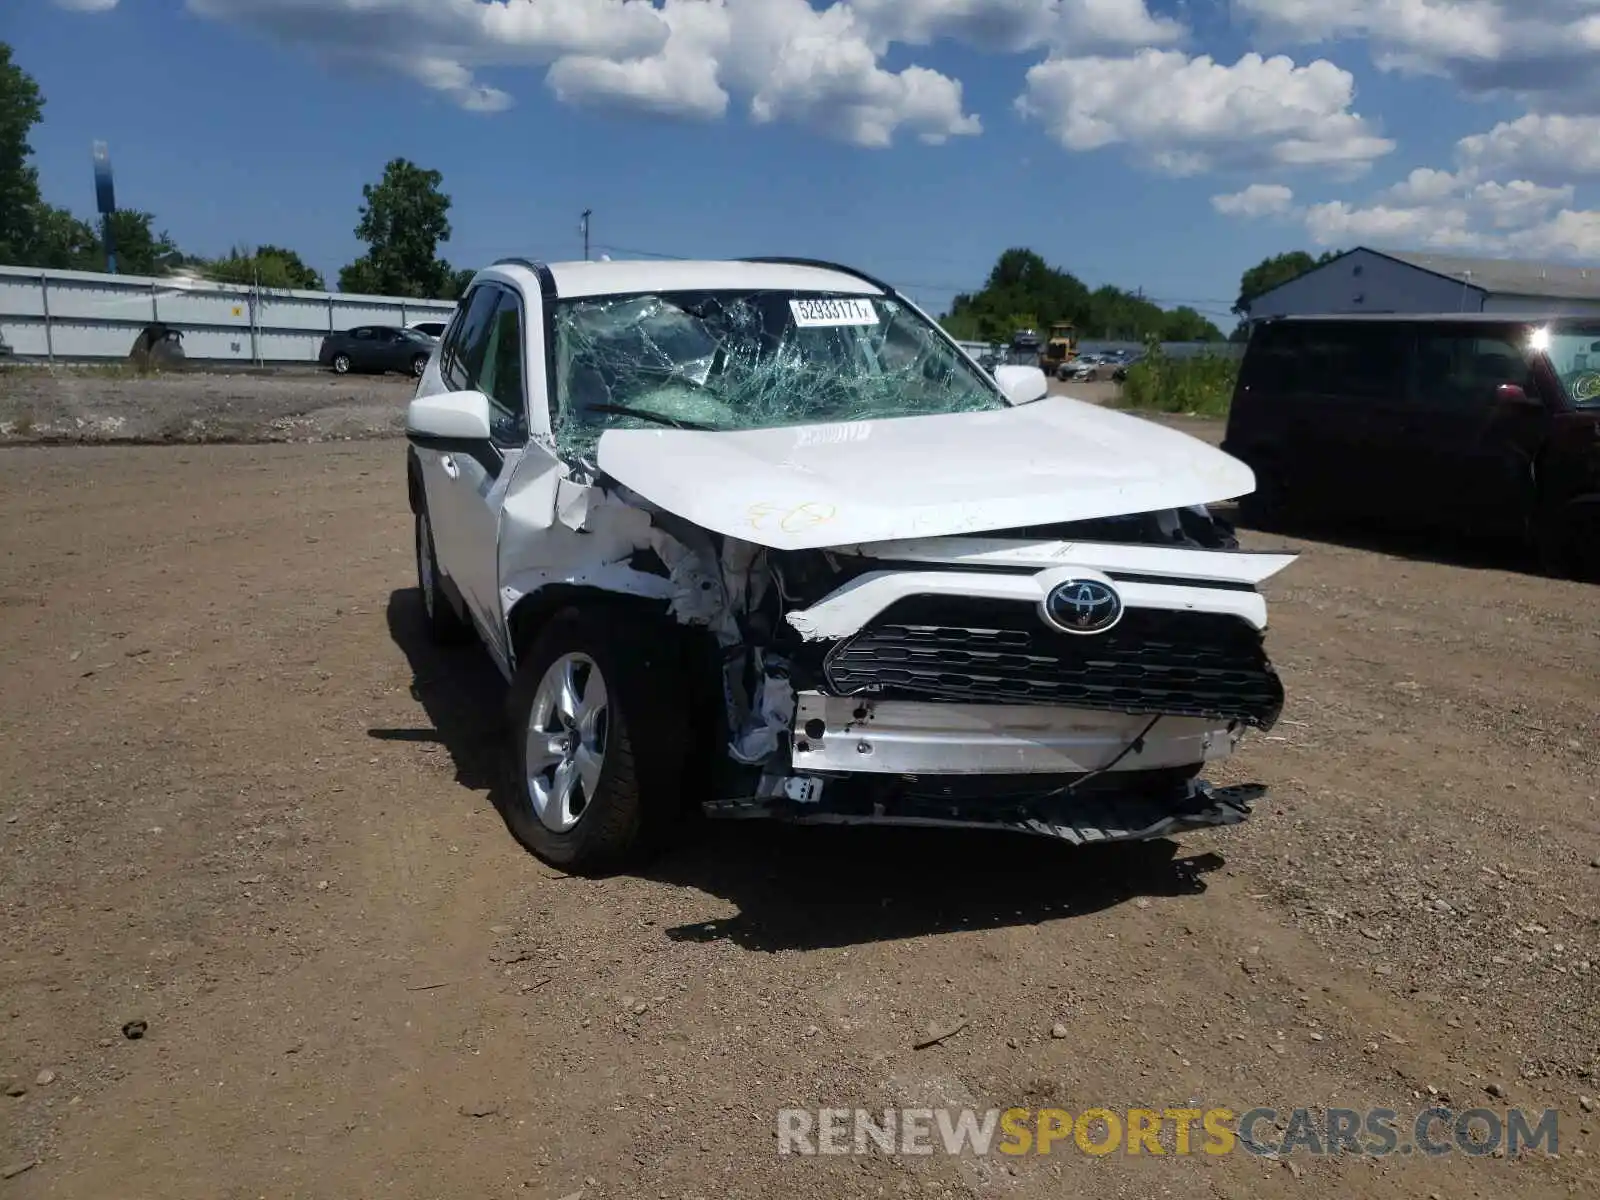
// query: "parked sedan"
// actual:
[[377, 348], [1085, 366]]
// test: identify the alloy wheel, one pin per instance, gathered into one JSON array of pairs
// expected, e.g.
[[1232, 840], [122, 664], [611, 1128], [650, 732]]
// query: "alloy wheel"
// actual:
[[566, 741]]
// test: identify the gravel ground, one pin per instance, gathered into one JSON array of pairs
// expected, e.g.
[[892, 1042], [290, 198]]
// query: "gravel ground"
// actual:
[[38, 404], [109, 405], [247, 805]]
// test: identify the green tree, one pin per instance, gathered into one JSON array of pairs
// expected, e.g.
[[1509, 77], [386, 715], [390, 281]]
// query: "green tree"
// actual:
[[964, 326], [140, 250], [60, 241], [21, 106], [1022, 285], [1184, 324], [460, 281], [266, 266], [404, 218], [1274, 272]]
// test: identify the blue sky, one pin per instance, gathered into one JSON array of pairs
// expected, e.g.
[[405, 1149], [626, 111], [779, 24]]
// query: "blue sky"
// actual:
[[1156, 144]]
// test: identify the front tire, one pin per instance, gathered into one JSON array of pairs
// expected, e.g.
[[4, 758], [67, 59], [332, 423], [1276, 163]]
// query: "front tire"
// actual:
[[341, 364], [600, 740], [419, 364]]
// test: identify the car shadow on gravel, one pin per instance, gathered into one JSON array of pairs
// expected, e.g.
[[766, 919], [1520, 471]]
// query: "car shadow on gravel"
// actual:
[[820, 887], [1448, 549], [460, 690], [808, 888]]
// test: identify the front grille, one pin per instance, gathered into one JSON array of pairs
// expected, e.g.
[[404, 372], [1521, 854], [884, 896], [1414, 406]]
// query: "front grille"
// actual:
[[983, 651]]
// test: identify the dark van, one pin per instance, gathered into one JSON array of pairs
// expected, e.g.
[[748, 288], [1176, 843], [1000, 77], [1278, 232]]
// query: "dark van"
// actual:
[[1481, 423]]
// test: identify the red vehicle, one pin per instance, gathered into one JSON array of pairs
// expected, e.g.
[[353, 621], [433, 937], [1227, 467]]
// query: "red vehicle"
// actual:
[[1478, 423]]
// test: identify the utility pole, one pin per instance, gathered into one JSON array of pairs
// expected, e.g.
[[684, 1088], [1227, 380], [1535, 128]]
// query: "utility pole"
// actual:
[[587, 213]]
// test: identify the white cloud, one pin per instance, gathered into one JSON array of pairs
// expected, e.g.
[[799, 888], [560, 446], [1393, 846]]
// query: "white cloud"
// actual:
[[1184, 115], [1011, 26], [1518, 217], [455, 81], [1257, 200], [1541, 146], [1537, 48], [88, 6], [1568, 234], [1438, 210], [463, 33], [679, 80], [1519, 204], [1436, 227], [790, 61], [1425, 185], [818, 68], [1465, 28]]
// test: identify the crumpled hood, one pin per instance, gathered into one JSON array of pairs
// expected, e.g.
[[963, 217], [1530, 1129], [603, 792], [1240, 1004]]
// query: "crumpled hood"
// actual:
[[811, 486]]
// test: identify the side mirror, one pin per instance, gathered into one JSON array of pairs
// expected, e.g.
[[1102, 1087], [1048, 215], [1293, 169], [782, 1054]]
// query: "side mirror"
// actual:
[[448, 417], [454, 423], [1513, 395], [1022, 385]]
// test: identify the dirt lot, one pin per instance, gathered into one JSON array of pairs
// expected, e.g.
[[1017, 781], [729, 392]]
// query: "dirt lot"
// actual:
[[244, 804], [108, 404]]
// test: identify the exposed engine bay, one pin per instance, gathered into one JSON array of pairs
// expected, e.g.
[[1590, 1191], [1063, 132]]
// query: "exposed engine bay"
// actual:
[[920, 681]]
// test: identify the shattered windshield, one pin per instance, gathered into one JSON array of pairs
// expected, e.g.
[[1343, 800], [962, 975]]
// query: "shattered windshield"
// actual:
[[1574, 352], [730, 360]]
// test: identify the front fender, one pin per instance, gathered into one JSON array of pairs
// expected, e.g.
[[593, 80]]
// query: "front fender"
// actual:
[[530, 598]]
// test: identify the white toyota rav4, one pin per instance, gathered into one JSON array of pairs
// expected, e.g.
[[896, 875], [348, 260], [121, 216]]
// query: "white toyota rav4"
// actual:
[[758, 538]]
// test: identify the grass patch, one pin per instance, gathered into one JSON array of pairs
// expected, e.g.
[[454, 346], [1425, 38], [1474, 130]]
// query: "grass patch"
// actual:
[[1201, 385]]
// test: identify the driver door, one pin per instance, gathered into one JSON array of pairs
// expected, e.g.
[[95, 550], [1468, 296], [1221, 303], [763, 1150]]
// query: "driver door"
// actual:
[[487, 353]]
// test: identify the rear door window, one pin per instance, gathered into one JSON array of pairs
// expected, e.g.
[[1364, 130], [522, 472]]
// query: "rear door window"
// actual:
[[1355, 359]]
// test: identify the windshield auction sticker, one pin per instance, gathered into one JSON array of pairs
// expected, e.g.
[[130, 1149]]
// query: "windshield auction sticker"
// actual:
[[840, 311]]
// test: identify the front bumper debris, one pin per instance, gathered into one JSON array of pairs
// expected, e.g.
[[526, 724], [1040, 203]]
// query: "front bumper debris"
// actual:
[[1096, 814], [905, 737]]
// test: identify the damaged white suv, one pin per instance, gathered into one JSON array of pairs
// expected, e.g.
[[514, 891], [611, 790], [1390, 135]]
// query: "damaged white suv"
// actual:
[[757, 538]]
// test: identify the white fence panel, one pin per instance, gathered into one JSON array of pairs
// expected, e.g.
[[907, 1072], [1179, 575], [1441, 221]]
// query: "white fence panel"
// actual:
[[184, 307], [28, 337], [348, 315], [278, 346], [80, 315], [290, 310], [21, 296], [78, 300]]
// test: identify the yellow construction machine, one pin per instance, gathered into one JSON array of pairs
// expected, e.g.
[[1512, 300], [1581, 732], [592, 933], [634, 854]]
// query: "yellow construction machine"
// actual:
[[1061, 349]]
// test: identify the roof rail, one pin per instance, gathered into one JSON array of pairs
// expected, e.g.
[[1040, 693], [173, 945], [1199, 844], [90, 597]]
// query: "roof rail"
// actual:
[[547, 281], [824, 265]]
